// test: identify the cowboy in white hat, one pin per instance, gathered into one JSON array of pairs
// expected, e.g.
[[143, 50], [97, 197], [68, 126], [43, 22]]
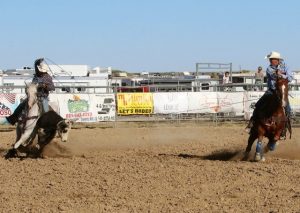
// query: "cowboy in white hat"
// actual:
[[45, 84], [276, 65]]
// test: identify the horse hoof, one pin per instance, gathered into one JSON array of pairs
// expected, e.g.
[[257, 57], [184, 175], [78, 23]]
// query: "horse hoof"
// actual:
[[246, 156], [272, 146], [16, 146], [259, 157], [12, 153]]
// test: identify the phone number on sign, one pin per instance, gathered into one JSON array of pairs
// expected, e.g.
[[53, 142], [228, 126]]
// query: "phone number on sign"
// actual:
[[79, 115]]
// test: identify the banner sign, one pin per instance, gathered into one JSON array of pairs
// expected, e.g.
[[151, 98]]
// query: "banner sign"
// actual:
[[87, 107], [135, 103], [76, 107], [170, 102], [105, 106], [8, 103], [231, 102], [102, 107], [294, 99], [203, 102], [250, 99]]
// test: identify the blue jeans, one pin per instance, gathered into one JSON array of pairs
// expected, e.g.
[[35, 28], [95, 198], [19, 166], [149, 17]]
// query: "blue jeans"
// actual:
[[45, 104]]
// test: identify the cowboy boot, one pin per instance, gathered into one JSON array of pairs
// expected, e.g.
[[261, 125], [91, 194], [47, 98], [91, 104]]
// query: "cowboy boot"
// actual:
[[12, 119]]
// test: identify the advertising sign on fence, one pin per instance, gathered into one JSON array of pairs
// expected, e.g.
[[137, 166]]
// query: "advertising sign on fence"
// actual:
[[170, 102], [8, 102], [295, 100], [250, 99], [76, 107], [135, 103], [105, 106], [87, 107], [230, 102], [102, 107], [203, 102]]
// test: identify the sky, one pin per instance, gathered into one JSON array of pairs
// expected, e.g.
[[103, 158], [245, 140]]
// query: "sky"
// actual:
[[149, 35]]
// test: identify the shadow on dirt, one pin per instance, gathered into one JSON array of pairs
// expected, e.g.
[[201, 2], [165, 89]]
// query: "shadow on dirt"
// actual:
[[6, 130], [223, 155]]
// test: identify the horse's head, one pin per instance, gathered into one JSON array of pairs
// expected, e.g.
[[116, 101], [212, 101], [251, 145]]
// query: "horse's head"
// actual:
[[31, 91], [282, 88]]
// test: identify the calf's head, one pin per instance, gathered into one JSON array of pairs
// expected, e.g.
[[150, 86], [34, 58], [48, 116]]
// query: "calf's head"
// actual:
[[63, 129]]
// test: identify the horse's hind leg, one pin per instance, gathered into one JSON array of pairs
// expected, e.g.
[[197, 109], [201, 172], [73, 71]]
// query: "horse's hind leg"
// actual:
[[251, 140]]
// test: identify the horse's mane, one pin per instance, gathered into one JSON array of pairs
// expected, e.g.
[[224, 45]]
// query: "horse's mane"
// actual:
[[271, 104]]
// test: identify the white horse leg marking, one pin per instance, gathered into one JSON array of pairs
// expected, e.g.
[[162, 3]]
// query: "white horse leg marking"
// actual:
[[282, 90], [25, 136]]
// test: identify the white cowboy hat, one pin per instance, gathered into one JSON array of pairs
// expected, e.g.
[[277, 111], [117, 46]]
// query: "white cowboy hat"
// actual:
[[273, 54]]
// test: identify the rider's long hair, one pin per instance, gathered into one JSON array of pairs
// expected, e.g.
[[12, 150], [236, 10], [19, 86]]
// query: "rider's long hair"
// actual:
[[36, 64]]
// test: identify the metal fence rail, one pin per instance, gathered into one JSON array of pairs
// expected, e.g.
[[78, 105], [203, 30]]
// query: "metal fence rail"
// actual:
[[232, 87]]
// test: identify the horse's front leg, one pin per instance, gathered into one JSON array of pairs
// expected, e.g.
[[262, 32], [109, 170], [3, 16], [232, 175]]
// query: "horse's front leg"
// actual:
[[25, 136], [28, 134], [251, 140], [259, 149], [271, 145]]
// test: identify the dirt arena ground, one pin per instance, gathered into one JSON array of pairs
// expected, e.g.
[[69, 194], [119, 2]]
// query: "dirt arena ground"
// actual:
[[157, 168]]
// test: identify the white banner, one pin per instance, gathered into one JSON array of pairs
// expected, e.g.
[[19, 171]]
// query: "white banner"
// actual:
[[87, 107], [105, 106], [203, 102], [170, 102], [250, 99], [231, 102], [8, 103], [215, 102], [294, 99]]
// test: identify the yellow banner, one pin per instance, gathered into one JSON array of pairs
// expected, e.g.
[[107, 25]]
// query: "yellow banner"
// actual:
[[135, 103]]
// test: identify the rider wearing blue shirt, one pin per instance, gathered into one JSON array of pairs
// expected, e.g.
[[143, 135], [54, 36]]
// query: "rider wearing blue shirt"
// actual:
[[276, 67], [283, 70]]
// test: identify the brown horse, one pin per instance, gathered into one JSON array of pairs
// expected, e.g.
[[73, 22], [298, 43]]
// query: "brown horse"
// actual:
[[270, 121]]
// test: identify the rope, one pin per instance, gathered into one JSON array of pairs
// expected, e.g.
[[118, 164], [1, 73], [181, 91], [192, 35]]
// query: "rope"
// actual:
[[55, 76]]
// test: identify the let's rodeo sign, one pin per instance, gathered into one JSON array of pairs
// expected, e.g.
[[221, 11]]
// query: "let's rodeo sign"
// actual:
[[135, 103]]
